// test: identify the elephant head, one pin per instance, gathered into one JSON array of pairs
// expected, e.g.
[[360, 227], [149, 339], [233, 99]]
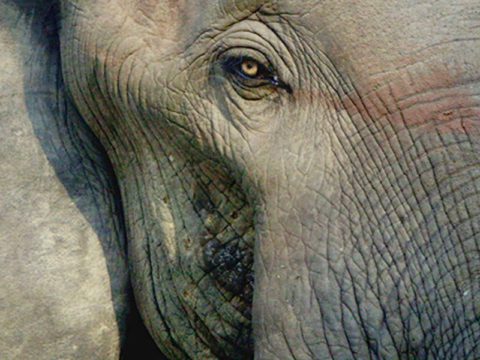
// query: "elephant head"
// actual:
[[299, 179], [333, 145]]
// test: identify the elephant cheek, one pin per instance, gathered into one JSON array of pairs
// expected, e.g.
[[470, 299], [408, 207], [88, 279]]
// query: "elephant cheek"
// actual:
[[191, 255], [434, 100]]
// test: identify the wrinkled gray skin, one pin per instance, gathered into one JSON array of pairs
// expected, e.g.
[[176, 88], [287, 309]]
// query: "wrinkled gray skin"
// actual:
[[349, 189]]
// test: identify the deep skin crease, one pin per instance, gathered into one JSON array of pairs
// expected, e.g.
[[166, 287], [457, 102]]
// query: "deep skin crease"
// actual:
[[331, 211]]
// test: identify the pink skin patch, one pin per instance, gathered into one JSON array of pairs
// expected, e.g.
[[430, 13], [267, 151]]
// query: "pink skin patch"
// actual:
[[438, 100]]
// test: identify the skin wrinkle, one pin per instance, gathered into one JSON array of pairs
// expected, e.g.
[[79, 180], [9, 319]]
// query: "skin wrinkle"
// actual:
[[73, 133], [88, 104], [359, 266], [155, 291], [178, 292], [371, 205], [92, 157]]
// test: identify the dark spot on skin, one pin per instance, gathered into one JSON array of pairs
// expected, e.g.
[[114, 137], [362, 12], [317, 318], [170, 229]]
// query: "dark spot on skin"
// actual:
[[187, 293], [231, 267], [226, 248], [211, 248]]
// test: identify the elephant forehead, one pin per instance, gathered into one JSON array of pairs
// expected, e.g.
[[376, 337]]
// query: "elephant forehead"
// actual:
[[377, 37], [181, 20], [186, 20], [383, 34]]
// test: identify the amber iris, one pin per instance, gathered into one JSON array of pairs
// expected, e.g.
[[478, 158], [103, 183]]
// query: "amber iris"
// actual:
[[250, 68]]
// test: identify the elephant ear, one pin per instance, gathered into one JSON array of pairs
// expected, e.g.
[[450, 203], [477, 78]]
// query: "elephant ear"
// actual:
[[63, 275]]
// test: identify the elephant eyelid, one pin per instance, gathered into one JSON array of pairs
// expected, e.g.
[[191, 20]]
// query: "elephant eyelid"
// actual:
[[233, 65], [264, 76]]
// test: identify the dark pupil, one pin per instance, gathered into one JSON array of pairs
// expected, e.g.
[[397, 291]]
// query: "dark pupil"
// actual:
[[249, 65]]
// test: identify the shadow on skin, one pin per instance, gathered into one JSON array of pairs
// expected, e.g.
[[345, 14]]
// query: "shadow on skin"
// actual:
[[139, 340], [80, 163]]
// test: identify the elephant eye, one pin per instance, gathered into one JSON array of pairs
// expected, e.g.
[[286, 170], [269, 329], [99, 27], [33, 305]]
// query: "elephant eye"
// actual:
[[250, 73], [245, 68]]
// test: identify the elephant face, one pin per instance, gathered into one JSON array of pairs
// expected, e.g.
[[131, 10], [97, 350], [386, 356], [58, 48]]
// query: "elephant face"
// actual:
[[328, 149]]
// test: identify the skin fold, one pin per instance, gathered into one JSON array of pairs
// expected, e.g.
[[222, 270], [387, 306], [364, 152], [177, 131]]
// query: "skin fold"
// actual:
[[299, 179]]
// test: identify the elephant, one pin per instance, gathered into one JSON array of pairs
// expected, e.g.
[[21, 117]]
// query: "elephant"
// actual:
[[263, 179]]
